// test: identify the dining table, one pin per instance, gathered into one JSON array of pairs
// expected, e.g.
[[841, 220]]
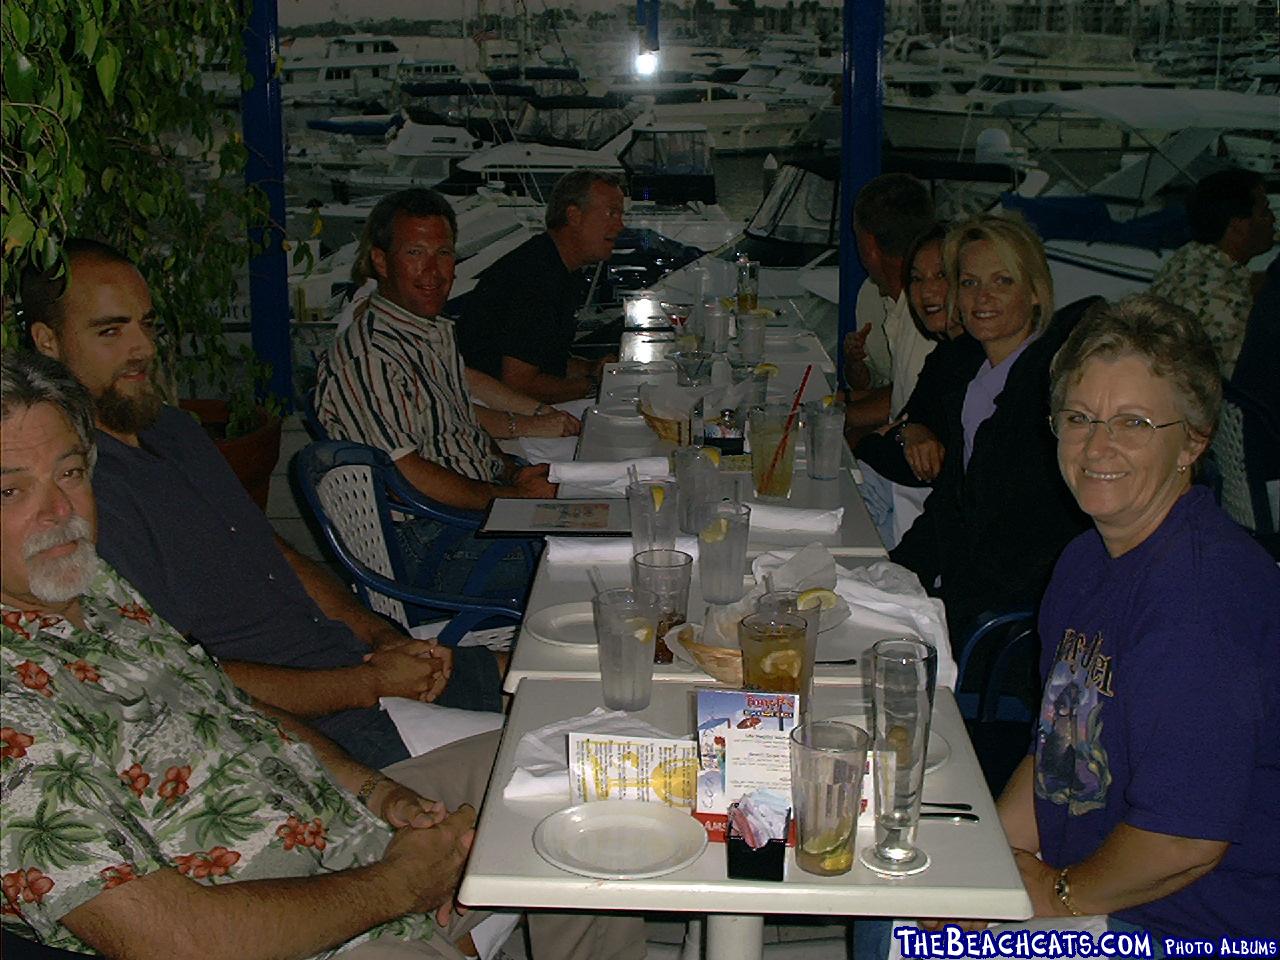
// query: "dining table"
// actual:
[[971, 873], [554, 676]]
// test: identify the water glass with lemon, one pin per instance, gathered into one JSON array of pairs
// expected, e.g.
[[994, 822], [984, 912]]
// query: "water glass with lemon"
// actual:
[[697, 472], [723, 527], [655, 514], [824, 443], [626, 622], [827, 763]]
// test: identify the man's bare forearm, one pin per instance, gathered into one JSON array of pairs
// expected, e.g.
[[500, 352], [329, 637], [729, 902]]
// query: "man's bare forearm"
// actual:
[[497, 396], [307, 693], [250, 920], [336, 601]]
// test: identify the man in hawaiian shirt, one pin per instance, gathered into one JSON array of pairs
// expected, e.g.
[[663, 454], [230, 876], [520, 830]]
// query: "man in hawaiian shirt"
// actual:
[[150, 808], [1231, 223]]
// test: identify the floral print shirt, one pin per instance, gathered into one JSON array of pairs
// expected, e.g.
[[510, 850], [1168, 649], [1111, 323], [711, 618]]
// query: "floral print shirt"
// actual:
[[1204, 280], [127, 750]]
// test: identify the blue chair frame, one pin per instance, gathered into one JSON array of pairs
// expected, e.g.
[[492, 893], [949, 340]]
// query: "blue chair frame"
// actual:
[[1013, 632], [392, 494]]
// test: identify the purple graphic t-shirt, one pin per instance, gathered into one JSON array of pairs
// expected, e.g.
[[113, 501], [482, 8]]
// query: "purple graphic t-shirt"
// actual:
[[1161, 710]]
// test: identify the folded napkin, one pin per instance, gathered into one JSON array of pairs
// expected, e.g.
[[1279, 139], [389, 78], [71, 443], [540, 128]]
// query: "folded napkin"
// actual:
[[769, 518], [581, 551], [890, 597], [546, 449], [425, 726], [608, 478], [803, 569], [542, 756]]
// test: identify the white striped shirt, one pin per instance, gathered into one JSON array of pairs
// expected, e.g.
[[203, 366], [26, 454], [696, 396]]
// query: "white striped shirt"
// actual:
[[395, 381]]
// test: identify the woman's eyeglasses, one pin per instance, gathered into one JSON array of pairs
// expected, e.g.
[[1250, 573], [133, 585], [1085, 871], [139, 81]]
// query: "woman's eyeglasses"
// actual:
[[1126, 430]]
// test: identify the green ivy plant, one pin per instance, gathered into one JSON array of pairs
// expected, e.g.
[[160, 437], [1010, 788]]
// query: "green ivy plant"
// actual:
[[107, 133]]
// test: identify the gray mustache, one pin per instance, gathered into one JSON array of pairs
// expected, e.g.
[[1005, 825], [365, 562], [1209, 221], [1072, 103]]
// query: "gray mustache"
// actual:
[[73, 529]]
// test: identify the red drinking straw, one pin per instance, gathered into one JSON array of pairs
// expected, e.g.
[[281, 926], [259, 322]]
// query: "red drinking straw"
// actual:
[[786, 431]]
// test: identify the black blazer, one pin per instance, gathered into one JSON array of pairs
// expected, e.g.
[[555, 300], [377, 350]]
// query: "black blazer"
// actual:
[[993, 531]]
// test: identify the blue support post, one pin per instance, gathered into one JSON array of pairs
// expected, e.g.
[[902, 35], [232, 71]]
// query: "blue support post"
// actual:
[[862, 125], [263, 126], [647, 22]]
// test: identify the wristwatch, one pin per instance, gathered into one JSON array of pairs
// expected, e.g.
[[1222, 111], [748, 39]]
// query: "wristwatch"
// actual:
[[1062, 889]]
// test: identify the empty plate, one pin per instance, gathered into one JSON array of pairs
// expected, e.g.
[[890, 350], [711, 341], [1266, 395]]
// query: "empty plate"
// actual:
[[564, 625], [620, 839]]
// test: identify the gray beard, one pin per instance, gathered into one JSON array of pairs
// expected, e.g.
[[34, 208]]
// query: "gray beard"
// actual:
[[61, 579], [124, 414]]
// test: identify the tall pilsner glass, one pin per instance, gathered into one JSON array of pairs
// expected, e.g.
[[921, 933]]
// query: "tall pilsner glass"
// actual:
[[904, 672]]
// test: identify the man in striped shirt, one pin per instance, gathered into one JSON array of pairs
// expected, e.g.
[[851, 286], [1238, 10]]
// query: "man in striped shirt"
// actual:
[[394, 380]]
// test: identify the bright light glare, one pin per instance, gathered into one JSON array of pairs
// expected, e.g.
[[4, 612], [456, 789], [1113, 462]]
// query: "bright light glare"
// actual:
[[646, 63]]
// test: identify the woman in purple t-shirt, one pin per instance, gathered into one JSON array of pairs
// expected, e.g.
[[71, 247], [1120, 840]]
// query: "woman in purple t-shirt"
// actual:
[[1151, 793]]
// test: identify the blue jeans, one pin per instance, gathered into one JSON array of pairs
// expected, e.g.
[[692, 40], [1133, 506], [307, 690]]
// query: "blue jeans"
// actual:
[[445, 568], [877, 494]]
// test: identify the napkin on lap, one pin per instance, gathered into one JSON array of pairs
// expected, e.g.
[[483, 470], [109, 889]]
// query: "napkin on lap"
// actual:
[[581, 551], [542, 756], [425, 726], [547, 449], [768, 518]]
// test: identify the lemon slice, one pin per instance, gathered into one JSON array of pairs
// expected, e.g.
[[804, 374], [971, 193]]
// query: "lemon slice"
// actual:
[[644, 634], [715, 531], [831, 842], [781, 663], [829, 399], [659, 495], [712, 454], [819, 597], [767, 369]]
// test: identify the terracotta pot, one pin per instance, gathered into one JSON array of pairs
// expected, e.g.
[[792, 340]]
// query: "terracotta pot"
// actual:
[[253, 456]]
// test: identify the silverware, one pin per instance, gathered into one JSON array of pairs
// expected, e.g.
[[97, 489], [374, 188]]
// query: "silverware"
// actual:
[[950, 817], [823, 663], [947, 806]]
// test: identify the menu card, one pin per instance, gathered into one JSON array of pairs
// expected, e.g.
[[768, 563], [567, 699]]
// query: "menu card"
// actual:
[[743, 746], [603, 767]]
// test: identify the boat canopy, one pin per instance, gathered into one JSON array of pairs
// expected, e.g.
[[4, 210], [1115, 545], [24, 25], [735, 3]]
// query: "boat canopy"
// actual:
[[1088, 219], [1145, 108], [669, 163]]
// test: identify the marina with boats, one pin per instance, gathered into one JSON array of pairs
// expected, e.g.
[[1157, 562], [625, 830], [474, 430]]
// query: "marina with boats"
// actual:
[[730, 144]]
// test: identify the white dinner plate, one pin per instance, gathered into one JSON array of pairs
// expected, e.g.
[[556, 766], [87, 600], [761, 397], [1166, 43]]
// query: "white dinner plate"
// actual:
[[564, 625], [620, 839]]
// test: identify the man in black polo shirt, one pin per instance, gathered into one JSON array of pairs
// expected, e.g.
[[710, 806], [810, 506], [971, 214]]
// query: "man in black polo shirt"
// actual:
[[176, 523], [520, 320]]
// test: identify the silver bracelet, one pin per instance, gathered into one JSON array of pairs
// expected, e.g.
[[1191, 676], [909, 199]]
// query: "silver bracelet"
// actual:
[[511, 424], [540, 409]]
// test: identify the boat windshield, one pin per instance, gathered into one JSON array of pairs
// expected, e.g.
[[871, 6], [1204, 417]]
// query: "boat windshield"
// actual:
[[799, 209]]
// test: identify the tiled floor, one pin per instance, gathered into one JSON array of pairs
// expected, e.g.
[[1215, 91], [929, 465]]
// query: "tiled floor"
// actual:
[[798, 941]]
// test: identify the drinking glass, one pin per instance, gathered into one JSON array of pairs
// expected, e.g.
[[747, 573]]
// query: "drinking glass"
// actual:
[[693, 368], [827, 760], [748, 285], [715, 328], [825, 440], [751, 336], [773, 450], [697, 477], [626, 624], [904, 671], [773, 651], [722, 549], [787, 601], [655, 514], [666, 574]]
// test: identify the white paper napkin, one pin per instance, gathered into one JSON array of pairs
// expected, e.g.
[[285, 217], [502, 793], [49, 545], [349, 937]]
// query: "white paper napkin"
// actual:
[[546, 449], [581, 551], [425, 726], [608, 478], [769, 518], [542, 756], [890, 596]]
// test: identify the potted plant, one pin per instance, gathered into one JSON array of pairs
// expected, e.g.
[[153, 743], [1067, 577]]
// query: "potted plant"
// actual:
[[106, 132]]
